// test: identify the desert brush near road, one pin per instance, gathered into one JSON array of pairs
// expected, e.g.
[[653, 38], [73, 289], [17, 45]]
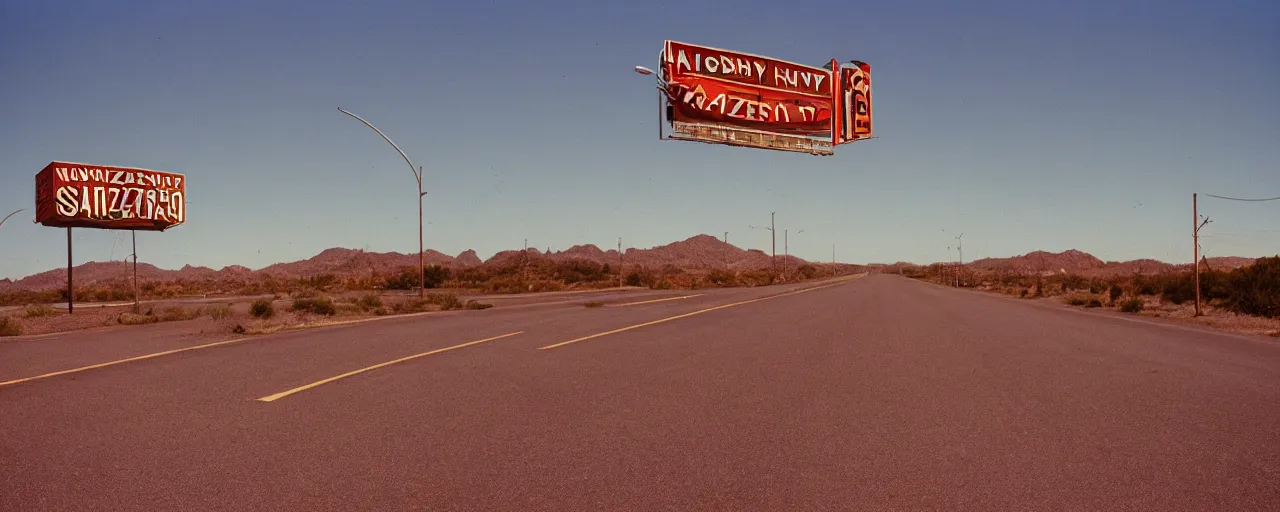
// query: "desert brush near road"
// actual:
[[879, 393]]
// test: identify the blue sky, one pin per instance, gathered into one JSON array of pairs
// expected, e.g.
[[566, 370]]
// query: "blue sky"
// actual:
[[1025, 125]]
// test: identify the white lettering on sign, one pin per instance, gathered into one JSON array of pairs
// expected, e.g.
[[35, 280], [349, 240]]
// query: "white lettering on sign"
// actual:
[[750, 69], [108, 194]]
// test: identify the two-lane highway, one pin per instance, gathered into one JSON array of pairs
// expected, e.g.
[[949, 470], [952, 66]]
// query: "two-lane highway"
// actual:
[[875, 394]]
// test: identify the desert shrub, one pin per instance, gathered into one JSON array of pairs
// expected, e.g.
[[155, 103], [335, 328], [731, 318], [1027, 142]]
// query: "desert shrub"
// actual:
[[219, 312], [446, 301], [318, 306], [435, 276], [414, 305], [262, 308], [136, 319], [472, 304], [1132, 305], [807, 271], [594, 304], [1115, 292], [178, 314], [634, 279], [1094, 303], [39, 310], [304, 293], [1024, 292], [320, 282], [406, 279], [546, 286], [722, 277], [1074, 282], [10, 326], [1255, 289], [1076, 300], [380, 312], [370, 301]]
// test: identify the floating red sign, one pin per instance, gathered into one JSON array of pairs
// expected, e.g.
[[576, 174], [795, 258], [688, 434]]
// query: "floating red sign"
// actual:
[[855, 103], [106, 197], [710, 85]]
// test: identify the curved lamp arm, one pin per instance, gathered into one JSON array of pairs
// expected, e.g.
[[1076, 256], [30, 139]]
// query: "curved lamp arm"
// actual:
[[412, 169], [6, 217]]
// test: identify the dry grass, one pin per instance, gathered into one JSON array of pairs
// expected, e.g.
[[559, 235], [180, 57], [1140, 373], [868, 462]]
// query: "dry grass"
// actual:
[[219, 312], [179, 314], [39, 311], [10, 326], [136, 319]]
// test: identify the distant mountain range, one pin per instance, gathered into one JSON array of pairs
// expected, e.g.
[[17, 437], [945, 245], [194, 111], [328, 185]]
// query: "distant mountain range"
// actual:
[[702, 252]]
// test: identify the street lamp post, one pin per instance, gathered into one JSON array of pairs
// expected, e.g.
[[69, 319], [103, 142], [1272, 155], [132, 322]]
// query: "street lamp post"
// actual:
[[6, 217], [417, 176]]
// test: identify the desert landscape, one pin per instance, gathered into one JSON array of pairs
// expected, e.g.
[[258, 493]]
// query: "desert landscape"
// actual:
[[339, 285]]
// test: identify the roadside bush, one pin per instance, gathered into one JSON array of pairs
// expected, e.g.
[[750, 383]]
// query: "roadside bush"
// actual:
[[1094, 303], [178, 314], [472, 304], [1115, 292], [1076, 300], [39, 310], [370, 301], [136, 319], [323, 307], [807, 271], [10, 326], [435, 276], [262, 308], [1133, 305], [1255, 289], [320, 282], [446, 301], [219, 312]]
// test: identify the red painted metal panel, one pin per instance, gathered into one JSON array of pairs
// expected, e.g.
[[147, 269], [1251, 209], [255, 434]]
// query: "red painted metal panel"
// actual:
[[855, 100], [732, 89], [107, 197]]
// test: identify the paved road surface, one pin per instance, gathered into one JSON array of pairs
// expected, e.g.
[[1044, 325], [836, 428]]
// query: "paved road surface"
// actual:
[[875, 394]]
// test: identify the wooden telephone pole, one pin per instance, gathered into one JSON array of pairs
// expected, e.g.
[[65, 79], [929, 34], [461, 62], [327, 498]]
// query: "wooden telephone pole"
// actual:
[[1195, 241]]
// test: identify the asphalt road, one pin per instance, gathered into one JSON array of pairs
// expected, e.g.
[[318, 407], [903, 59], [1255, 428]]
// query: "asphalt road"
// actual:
[[875, 394]]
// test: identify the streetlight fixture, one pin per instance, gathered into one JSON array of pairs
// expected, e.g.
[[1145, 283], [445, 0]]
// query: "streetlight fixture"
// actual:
[[417, 176], [6, 217], [643, 70]]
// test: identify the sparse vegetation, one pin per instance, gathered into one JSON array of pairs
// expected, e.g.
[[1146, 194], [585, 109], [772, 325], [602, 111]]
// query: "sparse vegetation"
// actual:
[[1094, 302], [219, 312], [10, 326], [178, 314], [473, 304], [1076, 300], [446, 301], [262, 308], [1131, 305], [38, 311], [369, 302], [315, 306], [136, 319]]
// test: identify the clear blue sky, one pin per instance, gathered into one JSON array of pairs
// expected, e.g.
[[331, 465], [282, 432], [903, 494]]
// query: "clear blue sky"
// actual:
[[1025, 125]]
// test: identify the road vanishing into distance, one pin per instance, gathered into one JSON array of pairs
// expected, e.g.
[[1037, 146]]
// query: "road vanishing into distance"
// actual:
[[878, 393]]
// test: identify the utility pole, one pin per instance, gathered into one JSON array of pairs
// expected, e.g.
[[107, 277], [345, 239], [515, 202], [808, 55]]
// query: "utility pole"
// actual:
[[726, 249], [1195, 240], [524, 262], [960, 249], [774, 234], [620, 281]]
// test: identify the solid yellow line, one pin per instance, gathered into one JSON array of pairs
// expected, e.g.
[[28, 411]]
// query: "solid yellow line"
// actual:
[[657, 300], [686, 315], [282, 394], [121, 361]]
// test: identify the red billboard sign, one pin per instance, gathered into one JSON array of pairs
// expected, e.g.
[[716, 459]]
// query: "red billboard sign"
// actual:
[[855, 103], [726, 97], [107, 197], [723, 87]]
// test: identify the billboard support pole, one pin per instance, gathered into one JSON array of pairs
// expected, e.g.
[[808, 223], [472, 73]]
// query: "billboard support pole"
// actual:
[[836, 108], [135, 269], [71, 295]]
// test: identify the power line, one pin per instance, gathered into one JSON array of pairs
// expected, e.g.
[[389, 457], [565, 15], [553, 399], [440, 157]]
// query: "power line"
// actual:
[[1238, 199]]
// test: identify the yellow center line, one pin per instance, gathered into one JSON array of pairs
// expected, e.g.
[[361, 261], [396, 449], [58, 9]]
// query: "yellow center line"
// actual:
[[686, 315], [282, 394], [656, 300], [120, 361]]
